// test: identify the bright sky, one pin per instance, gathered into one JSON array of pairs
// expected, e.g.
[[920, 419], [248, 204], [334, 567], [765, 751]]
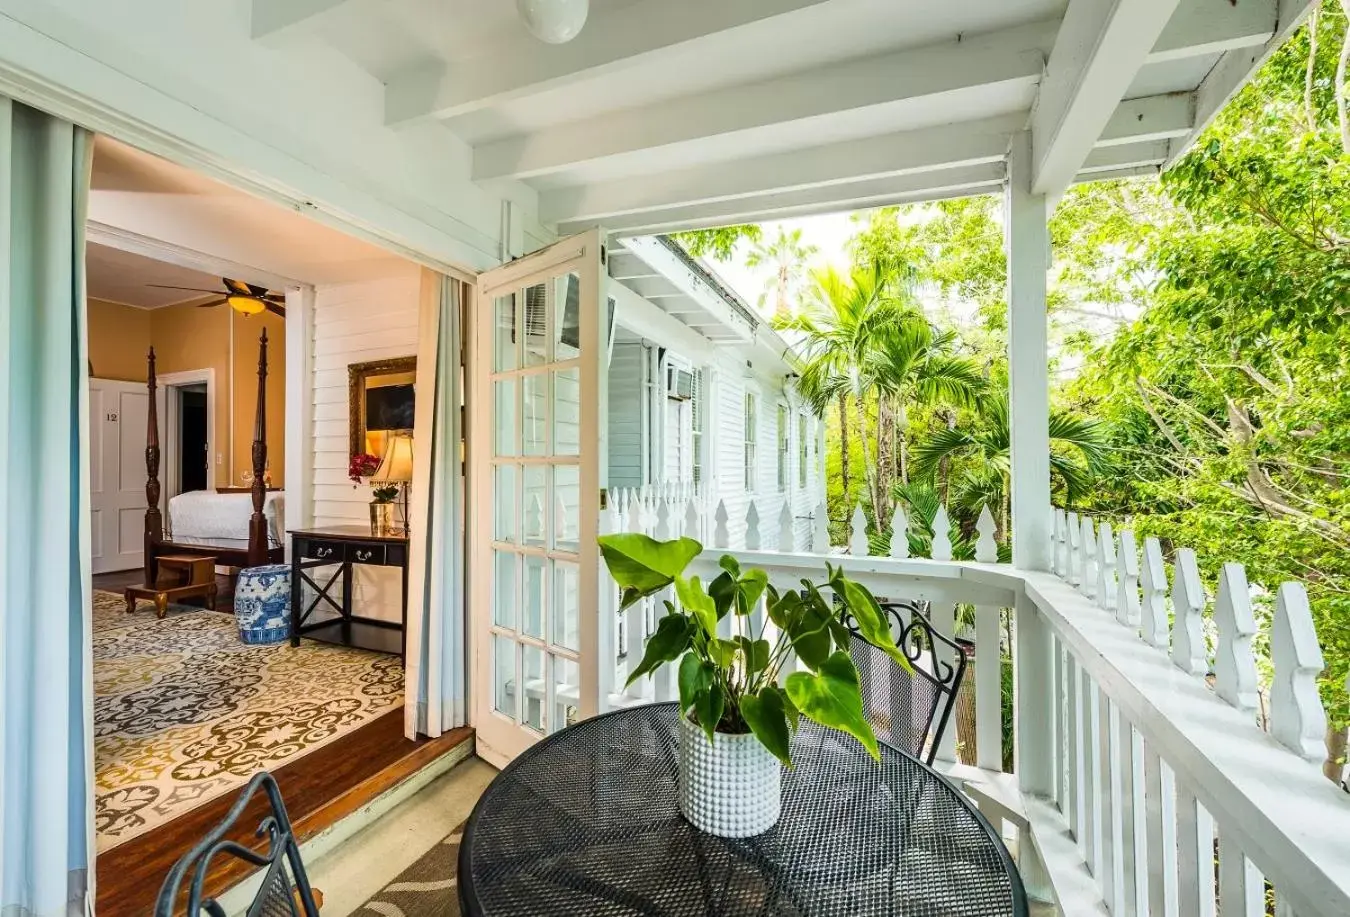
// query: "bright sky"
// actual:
[[829, 234]]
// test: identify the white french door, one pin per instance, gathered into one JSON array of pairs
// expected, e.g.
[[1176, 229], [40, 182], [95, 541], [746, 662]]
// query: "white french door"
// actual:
[[536, 467]]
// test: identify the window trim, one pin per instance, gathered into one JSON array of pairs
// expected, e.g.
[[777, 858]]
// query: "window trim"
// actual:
[[803, 450], [784, 447], [750, 436]]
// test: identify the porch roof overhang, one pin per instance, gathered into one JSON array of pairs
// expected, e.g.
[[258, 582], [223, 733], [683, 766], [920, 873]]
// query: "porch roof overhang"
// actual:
[[661, 116]]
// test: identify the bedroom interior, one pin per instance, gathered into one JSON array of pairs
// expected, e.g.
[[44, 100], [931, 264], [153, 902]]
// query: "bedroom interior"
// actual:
[[198, 503]]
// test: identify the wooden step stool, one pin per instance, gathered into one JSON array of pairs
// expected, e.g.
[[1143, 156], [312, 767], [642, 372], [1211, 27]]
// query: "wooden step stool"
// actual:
[[181, 576]]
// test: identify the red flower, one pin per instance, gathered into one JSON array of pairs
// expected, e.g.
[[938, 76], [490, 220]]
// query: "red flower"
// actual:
[[362, 465]]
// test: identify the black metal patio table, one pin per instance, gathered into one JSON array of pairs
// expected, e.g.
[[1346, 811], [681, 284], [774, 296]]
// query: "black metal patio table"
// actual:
[[586, 822]]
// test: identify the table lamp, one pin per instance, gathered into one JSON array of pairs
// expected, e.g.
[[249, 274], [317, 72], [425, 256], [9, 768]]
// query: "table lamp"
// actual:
[[397, 468]]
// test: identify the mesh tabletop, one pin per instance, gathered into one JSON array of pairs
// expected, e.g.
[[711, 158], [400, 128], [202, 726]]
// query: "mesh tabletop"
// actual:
[[586, 822]]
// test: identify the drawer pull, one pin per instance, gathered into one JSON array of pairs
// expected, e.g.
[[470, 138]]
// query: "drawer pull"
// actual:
[[323, 552], [364, 555]]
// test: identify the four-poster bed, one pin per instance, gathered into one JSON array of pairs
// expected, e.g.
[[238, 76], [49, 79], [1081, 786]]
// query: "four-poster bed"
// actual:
[[239, 543]]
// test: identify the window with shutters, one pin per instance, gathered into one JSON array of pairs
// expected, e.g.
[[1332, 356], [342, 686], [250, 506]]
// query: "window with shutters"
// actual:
[[751, 421], [803, 450], [784, 448]]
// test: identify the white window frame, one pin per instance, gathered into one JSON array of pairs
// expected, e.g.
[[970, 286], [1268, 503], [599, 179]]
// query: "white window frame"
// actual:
[[784, 430], [750, 423], [698, 419], [803, 450]]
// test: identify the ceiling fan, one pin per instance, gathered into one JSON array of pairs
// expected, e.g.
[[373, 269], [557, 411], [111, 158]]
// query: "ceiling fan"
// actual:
[[244, 298]]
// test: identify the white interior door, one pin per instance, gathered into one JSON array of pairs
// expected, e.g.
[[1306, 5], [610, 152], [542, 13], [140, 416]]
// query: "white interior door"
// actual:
[[536, 469], [117, 416]]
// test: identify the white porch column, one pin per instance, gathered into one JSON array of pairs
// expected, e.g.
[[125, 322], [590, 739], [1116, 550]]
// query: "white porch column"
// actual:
[[1027, 241], [1028, 247]]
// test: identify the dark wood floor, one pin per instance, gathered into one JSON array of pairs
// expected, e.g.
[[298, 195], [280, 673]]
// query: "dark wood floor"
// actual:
[[116, 582], [319, 789]]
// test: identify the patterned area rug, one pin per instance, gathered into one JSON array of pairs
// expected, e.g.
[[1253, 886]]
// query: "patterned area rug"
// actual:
[[427, 888], [184, 712]]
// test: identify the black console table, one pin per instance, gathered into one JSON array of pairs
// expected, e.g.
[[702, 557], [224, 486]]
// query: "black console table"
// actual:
[[344, 547]]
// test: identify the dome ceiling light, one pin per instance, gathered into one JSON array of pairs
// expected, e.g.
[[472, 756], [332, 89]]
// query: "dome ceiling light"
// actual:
[[554, 21]]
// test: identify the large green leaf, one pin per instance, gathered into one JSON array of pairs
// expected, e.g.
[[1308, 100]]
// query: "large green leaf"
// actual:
[[767, 718], [723, 591], [698, 603], [672, 637], [722, 652], [868, 616], [696, 676], [750, 587], [708, 707], [831, 697], [810, 634], [756, 653], [643, 566]]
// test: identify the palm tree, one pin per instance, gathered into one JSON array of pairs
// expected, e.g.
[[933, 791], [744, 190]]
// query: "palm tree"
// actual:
[[788, 257], [842, 319], [912, 363], [1077, 454]]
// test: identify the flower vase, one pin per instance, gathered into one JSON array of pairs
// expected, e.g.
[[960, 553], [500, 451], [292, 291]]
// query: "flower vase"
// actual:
[[381, 519], [731, 787]]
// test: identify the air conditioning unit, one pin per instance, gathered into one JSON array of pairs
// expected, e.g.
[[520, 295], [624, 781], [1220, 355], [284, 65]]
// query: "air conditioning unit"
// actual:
[[679, 383]]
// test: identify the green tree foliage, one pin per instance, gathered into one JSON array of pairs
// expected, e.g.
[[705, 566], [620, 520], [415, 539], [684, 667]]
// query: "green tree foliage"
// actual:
[[718, 244]]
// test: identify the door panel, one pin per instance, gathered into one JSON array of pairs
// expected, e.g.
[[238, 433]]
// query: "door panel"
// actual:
[[536, 467], [117, 416]]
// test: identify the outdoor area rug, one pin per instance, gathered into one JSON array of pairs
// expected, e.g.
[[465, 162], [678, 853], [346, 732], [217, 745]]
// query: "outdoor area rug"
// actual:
[[184, 712], [427, 888]]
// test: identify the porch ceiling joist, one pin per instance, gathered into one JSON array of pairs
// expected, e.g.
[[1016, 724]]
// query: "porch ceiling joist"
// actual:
[[1201, 27], [1096, 56], [943, 183], [625, 266], [1127, 156], [1234, 69], [522, 65], [892, 155], [939, 73], [1150, 118], [272, 20]]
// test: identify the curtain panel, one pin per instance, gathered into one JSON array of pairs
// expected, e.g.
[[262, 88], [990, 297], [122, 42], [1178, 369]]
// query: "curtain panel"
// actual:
[[46, 657], [435, 680]]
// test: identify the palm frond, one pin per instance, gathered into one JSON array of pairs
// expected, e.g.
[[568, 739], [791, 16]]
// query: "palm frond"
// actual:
[[927, 455]]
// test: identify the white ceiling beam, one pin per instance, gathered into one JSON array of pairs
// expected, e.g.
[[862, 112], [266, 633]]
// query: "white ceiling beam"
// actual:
[[922, 186], [1232, 72], [908, 152], [1129, 156], [694, 286], [1150, 118], [273, 20], [978, 64], [1200, 27], [612, 38], [1098, 51], [1152, 171]]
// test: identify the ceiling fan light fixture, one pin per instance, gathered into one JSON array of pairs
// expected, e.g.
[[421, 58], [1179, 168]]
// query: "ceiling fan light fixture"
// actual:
[[554, 21], [246, 305]]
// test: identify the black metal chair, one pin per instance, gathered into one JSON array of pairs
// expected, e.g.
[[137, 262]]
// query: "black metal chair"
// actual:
[[285, 890], [909, 711]]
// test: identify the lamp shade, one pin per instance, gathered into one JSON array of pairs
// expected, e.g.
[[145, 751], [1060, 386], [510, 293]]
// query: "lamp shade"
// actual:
[[397, 465]]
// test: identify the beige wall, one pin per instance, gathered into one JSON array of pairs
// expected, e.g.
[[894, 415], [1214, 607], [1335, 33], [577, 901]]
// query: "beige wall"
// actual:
[[189, 338], [119, 337]]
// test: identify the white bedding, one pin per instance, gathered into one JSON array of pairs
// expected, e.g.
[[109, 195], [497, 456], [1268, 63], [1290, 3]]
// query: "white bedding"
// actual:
[[205, 514]]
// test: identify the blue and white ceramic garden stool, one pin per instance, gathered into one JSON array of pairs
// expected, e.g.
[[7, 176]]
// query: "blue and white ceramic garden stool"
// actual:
[[262, 604]]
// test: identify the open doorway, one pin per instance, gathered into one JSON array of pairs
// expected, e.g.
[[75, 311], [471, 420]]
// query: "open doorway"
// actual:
[[194, 457]]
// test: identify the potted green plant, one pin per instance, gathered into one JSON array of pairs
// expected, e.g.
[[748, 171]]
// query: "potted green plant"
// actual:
[[739, 706]]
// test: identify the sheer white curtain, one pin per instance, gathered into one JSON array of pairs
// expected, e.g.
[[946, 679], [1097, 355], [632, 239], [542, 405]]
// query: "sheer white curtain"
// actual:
[[46, 710], [435, 682]]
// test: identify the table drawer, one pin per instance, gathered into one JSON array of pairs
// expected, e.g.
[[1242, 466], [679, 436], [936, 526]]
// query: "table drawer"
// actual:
[[365, 554], [322, 550]]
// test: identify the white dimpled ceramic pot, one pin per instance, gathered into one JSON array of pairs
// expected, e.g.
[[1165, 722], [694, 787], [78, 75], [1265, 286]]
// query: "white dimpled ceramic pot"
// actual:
[[731, 787]]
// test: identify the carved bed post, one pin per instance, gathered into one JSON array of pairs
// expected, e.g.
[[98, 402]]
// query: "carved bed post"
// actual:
[[154, 521], [257, 523]]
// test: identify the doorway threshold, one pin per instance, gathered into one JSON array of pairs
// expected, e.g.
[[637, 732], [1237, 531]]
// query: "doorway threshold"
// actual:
[[322, 790]]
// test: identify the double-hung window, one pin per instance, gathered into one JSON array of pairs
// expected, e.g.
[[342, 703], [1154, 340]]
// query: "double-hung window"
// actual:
[[696, 412], [751, 423], [803, 447], [784, 448]]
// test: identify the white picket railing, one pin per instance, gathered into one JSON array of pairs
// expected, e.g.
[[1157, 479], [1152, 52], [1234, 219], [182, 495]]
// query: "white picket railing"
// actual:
[[1145, 782]]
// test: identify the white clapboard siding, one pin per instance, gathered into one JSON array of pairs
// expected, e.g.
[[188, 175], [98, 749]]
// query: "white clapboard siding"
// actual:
[[356, 323]]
